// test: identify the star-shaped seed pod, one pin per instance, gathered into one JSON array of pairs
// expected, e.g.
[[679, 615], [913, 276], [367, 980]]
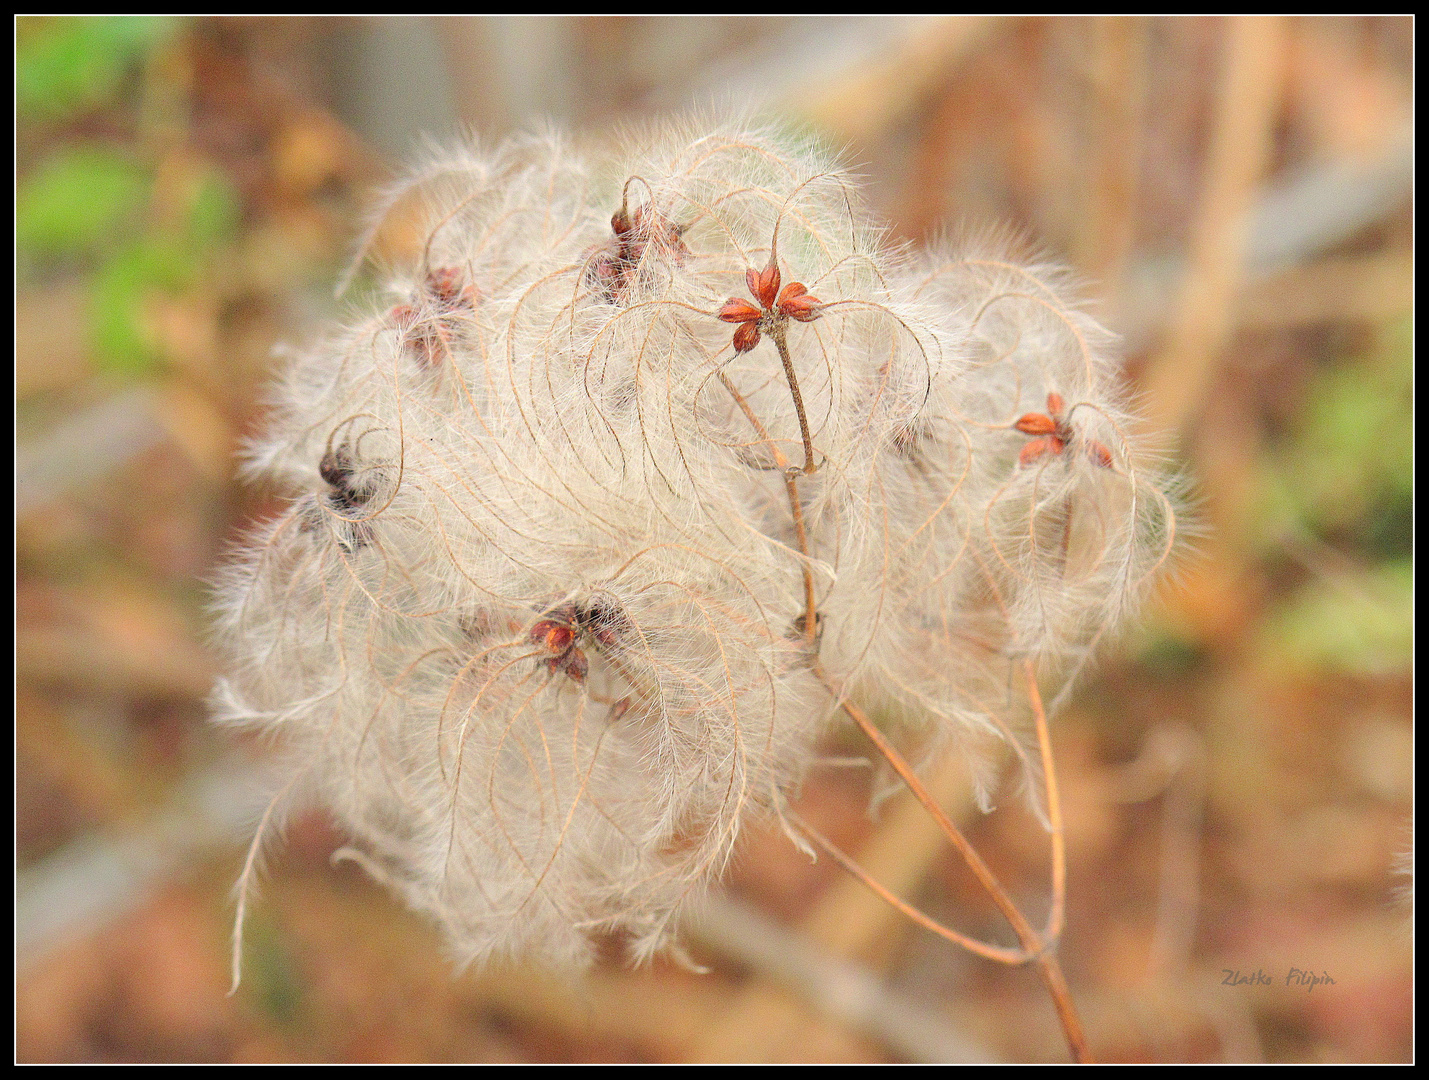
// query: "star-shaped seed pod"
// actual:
[[1054, 433], [775, 306]]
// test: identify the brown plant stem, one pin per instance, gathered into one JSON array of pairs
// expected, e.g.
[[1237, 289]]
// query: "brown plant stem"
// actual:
[[811, 619], [796, 508], [1051, 974], [778, 334], [1047, 966], [999, 953], [986, 878], [1056, 916], [1038, 947]]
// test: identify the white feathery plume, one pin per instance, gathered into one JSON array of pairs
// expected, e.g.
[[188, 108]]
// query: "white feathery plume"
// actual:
[[534, 626]]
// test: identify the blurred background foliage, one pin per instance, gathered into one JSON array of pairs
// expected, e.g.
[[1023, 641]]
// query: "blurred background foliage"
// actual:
[[1238, 777], [126, 213]]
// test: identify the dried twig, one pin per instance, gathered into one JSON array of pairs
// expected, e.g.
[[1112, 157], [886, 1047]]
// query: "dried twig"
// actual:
[[1247, 101]]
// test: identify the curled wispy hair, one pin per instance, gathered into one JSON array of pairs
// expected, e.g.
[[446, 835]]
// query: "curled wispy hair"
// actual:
[[574, 569]]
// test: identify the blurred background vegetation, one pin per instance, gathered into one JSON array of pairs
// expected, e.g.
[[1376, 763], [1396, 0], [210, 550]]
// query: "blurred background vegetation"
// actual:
[[1237, 777]]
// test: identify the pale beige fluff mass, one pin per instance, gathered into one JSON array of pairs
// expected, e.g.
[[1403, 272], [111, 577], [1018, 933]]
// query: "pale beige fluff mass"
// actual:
[[531, 626]]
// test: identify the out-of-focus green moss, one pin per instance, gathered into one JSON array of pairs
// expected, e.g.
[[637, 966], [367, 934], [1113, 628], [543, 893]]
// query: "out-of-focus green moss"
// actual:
[[65, 65], [117, 300], [90, 207], [1348, 470], [1165, 655], [160, 261], [213, 214], [1360, 624], [1346, 477], [272, 979], [78, 203]]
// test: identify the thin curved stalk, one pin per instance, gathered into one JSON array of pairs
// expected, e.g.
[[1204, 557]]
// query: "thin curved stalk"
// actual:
[[1039, 947], [1001, 954], [796, 507], [778, 335], [1035, 946]]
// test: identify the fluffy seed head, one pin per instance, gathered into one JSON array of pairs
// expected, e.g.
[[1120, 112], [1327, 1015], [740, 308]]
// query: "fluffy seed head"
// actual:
[[534, 623]]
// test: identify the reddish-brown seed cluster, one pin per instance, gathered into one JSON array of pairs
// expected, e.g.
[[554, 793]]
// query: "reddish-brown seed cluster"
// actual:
[[775, 306], [558, 637], [603, 623], [613, 264], [450, 290], [1054, 433], [347, 495], [336, 468], [430, 332]]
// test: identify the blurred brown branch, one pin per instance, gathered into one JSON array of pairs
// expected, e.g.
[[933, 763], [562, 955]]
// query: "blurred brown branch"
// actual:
[[1249, 95]]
